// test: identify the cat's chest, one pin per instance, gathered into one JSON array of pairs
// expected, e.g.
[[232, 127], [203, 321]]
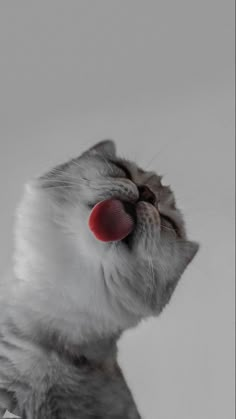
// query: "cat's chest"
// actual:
[[45, 385], [94, 392], [83, 391]]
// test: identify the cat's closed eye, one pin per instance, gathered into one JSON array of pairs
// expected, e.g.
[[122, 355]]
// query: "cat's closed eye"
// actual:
[[122, 167], [168, 224]]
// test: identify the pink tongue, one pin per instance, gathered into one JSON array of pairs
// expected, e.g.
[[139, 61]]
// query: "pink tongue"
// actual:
[[109, 222]]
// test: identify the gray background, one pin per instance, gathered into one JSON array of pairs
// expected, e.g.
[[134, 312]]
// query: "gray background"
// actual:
[[157, 76]]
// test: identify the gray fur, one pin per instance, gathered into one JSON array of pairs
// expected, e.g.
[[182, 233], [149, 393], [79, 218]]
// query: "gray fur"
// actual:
[[69, 297]]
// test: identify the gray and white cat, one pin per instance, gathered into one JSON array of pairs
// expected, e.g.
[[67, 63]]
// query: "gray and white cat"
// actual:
[[70, 296]]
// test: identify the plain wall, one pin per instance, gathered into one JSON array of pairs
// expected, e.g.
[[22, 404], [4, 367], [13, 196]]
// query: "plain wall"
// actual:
[[156, 76]]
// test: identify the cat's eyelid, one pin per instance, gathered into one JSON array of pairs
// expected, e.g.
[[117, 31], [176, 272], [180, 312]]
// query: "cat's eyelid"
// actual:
[[171, 222], [123, 168]]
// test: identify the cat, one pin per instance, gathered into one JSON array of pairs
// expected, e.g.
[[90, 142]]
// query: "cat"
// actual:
[[69, 296]]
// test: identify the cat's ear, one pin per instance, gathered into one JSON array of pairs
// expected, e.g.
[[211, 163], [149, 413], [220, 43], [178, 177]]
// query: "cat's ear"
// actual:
[[105, 148], [180, 253], [186, 252]]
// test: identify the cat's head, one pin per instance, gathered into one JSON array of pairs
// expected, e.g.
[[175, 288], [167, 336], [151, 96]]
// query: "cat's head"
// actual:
[[134, 277]]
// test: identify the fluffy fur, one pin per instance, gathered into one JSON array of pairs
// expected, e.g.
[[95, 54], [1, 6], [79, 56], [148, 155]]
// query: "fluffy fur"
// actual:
[[70, 297]]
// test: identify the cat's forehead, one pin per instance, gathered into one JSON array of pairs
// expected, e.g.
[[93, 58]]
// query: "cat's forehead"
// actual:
[[140, 176], [119, 166], [105, 165]]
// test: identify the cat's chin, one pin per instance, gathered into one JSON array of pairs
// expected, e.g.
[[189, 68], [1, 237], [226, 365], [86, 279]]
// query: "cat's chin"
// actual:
[[128, 241]]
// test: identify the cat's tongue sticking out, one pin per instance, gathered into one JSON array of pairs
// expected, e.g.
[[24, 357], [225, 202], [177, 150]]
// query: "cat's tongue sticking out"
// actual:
[[109, 221]]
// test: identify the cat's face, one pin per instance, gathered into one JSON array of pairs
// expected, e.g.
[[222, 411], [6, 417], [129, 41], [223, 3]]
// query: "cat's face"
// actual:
[[137, 275], [100, 174]]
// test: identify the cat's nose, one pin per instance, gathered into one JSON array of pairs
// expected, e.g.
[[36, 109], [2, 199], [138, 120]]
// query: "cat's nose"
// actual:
[[145, 194]]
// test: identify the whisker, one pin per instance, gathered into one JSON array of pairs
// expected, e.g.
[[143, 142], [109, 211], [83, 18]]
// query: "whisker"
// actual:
[[152, 160], [61, 175], [62, 180], [66, 186], [168, 228], [75, 163], [108, 164], [157, 154], [152, 269]]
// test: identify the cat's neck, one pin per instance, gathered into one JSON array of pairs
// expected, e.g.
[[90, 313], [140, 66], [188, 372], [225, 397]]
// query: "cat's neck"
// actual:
[[96, 351], [57, 289]]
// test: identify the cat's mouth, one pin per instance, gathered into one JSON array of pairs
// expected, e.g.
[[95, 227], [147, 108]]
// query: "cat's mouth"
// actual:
[[131, 210], [167, 224], [114, 220]]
